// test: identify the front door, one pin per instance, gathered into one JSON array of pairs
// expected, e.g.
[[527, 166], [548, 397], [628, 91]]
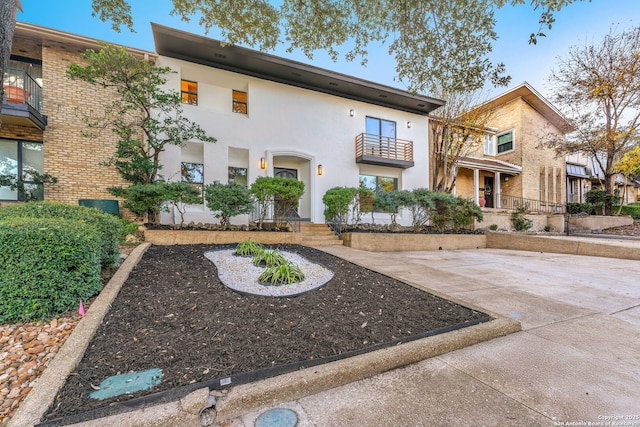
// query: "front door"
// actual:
[[488, 191], [286, 173]]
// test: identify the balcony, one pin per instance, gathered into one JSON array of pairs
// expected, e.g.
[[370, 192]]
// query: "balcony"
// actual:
[[384, 151], [22, 102]]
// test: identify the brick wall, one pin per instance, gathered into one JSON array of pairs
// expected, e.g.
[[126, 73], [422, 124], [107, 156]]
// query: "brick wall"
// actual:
[[74, 159]]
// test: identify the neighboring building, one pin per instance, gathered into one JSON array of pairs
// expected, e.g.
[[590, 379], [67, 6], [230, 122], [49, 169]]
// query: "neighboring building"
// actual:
[[512, 166], [276, 117], [42, 118], [585, 173]]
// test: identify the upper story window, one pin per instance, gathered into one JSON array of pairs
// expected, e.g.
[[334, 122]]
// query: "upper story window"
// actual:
[[189, 92], [380, 127], [505, 142], [489, 144], [239, 102]]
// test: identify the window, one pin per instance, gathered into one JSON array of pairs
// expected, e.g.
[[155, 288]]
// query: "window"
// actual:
[[380, 127], [489, 143], [239, 102], [238, 175], [378, 184], [193, 173], [505, 142], [21, 159], [189, 92]]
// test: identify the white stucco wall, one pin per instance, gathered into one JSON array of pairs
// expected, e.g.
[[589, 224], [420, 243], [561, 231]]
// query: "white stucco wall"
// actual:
[[290, 127]]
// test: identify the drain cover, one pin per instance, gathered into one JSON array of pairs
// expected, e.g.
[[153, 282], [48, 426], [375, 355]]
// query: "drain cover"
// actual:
[[279, 417], [127, 383]]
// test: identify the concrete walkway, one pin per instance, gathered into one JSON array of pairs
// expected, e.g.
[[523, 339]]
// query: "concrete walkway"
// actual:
[[577, 360]]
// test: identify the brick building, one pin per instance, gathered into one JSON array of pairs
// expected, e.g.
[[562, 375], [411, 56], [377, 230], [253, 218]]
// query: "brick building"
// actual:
[[42, 118], [513, 165]]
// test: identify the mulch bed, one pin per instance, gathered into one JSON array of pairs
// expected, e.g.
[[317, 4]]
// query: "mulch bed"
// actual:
[[173, 313]]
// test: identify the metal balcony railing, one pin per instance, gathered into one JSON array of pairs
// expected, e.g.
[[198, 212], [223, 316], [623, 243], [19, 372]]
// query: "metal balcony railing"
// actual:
[[21, 88], [384, 151], [533, 206]]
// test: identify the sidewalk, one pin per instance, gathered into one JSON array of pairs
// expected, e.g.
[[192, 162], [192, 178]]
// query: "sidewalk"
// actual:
[[577, 359]]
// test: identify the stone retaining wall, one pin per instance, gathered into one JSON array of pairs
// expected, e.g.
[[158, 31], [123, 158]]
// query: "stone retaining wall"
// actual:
[[191, 237]]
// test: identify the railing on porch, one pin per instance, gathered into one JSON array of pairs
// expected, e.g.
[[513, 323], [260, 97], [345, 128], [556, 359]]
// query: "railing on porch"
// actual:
[[534, 206], [21, 88], [272, 216]]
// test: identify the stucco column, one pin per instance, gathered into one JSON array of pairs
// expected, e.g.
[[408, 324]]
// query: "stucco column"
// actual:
[[498, 190], [476, 183]]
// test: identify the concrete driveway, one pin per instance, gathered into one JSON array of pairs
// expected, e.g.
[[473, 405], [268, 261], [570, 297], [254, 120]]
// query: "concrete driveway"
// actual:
[[576, 361]]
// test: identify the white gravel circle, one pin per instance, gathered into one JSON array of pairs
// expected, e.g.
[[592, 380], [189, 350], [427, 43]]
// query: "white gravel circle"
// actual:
[[239, 274]]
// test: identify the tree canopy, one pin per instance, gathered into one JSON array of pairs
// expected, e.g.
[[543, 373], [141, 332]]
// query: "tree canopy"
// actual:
[[437, 45], [597, 86]]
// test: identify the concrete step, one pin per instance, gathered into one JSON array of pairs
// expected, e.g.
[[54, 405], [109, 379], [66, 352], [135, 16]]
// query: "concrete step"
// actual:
[[318, 235]]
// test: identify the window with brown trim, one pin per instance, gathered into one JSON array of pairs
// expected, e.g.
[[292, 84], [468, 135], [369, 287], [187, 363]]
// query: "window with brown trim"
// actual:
[[189, 92], [239, 102]]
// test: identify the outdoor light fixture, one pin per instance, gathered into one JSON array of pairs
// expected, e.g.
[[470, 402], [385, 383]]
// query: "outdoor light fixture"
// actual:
[[352, 112], [409, 125], [320, 170], [263, 163]]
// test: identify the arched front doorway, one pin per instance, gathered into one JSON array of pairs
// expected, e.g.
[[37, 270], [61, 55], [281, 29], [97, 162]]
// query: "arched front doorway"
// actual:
[[296, 166]]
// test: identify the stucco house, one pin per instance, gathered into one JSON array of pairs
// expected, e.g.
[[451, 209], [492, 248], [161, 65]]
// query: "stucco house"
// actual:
[[276, 117], [512, 165], [42, 118]]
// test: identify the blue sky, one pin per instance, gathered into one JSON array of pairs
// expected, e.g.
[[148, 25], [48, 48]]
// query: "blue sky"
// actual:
[[575, 25]]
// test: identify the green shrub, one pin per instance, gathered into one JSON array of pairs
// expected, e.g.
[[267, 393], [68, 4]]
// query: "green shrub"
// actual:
[[283, 274], [451, 212], [581, 208], [392, 201], [108, 226], [520, 223], [47, 266], [228, 200], [493, 227], [248, 248], [285, 191], [269, 258], [179, 194], [548, 228], [632, 210], [421, 208], [142, 199], [336, 203]]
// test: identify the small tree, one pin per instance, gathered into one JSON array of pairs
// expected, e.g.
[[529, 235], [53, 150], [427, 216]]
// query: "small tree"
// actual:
[[179, 194], [392, 201], [597, 85], [144, 117], [518, 220], [142, 199], [228, 200], [287, 196], [337, 201], [421, 207]]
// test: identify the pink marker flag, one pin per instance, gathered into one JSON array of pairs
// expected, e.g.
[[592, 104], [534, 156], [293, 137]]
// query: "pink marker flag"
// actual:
[[81, 309]]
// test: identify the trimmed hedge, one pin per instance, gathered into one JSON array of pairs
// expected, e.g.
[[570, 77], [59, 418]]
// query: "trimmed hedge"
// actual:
[[632, 210], [47, 266], [108, 226]]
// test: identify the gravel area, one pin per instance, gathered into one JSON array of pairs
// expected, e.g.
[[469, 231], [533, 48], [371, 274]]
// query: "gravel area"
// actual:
[[25, 351], [239, 274]]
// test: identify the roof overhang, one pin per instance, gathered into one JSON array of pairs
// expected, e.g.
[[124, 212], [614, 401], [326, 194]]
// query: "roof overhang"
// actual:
[[213, 53], [40, 33], [492, 165], [578, 171]]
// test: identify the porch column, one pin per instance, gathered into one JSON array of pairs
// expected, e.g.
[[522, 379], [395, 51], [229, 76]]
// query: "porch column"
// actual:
[[476, 184], [498, 190]]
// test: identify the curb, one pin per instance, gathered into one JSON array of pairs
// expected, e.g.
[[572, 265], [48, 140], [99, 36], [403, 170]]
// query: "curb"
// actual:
[[272, 391], [46, 387]]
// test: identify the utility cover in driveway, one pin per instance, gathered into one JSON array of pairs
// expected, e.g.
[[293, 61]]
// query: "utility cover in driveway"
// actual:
[[127, 383]]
